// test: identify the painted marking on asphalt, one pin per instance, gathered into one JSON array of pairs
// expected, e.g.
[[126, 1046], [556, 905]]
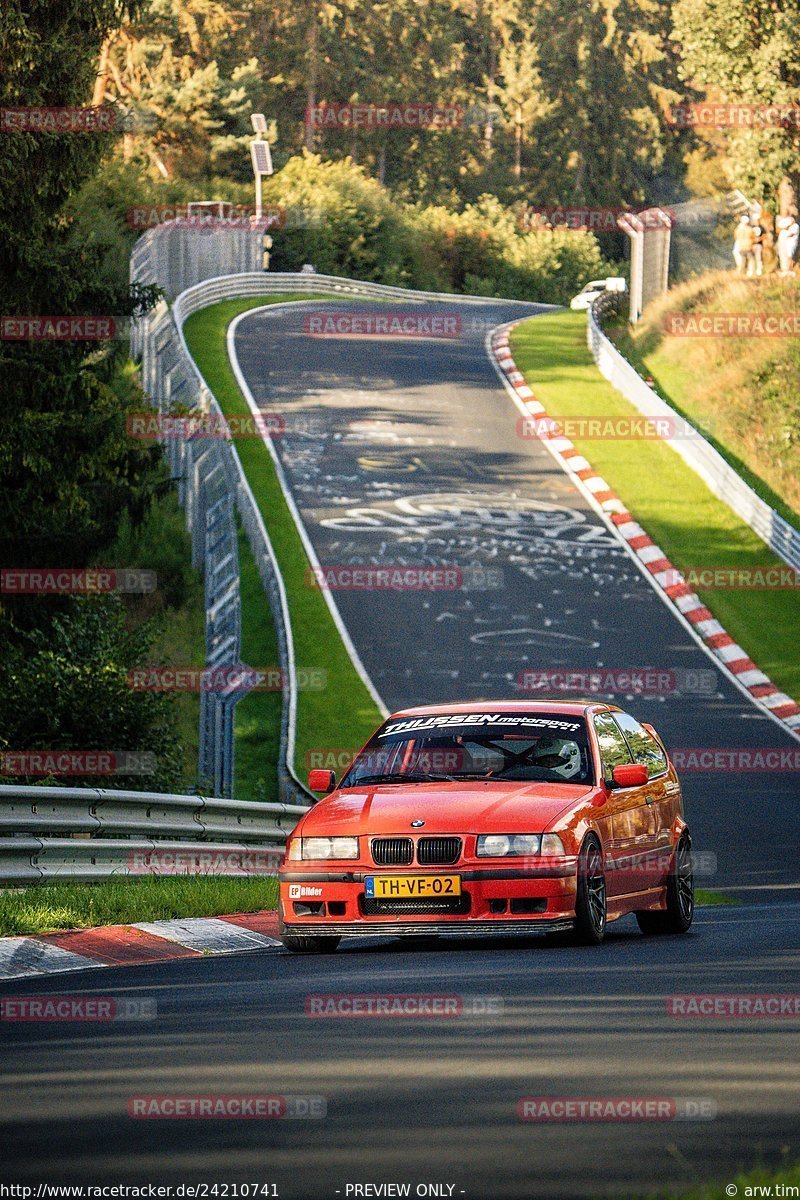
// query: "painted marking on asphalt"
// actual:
[[208, 933], [21, 956]]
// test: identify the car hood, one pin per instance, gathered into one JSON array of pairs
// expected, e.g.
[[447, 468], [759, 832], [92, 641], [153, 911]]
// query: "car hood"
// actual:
[[491, 807]]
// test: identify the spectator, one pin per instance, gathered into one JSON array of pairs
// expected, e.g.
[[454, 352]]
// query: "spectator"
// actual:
[[788, 236], [743, 245], [756, 264]]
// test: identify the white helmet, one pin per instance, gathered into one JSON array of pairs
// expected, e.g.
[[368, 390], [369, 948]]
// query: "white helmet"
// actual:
[[560, 755]]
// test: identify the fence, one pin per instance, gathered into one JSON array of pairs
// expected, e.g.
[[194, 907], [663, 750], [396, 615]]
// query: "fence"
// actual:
[[700, 455], [49, 833], [176, 256], [211, 486], [649, 232]]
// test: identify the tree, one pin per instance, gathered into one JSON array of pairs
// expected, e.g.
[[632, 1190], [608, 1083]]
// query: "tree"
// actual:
[[611, 72], [67, 469], [65, 687], [747, 52], [520, 91]]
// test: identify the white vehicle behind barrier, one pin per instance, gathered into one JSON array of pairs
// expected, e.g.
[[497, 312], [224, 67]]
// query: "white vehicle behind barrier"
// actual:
[[590, 291]]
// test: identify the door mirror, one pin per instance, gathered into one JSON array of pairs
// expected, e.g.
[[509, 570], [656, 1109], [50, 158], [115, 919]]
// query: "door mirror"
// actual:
[[629, 775], [321, 781]]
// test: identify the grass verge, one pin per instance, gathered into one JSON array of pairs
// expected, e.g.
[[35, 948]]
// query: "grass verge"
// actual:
[[692, 526], [742, 393], [760, 1181], [257, 717], [343, 714], [52, 906], [707, 899]]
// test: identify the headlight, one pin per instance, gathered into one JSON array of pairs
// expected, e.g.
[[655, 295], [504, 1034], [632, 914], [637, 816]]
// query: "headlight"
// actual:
[[503, 845], [552, 844], [318, 848]]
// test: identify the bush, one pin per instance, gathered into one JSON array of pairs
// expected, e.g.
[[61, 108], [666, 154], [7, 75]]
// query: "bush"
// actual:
[[361, 232], [66, 688]]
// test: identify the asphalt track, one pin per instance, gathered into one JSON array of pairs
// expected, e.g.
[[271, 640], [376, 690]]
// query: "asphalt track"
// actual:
[[407, 452], [420, 1100]]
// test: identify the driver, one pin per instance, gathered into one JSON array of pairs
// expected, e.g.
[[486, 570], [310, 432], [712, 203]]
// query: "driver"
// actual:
[[560, 755]]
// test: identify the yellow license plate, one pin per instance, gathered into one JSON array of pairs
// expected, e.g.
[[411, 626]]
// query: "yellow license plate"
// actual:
[[391, 887]]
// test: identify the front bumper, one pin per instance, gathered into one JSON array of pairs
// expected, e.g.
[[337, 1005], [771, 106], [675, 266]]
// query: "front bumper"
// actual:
[[493, 900], [457, 928]]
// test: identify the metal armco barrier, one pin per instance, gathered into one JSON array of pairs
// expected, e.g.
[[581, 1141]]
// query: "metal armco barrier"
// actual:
[[92, 833], [260, 284], [699, 454]]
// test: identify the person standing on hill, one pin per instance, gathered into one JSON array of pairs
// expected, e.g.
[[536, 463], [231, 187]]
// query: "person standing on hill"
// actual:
[[788, 237], [756, 264], [743, 246]]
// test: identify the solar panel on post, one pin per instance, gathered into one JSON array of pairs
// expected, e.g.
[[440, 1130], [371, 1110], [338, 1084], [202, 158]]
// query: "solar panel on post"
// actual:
[[262, 159]]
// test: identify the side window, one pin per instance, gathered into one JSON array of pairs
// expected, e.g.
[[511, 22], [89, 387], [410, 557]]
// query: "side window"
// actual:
[[645, 749], [613, 747]]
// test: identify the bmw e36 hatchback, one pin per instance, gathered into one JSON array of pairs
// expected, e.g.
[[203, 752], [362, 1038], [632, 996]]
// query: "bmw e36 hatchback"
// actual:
[[507, 817]]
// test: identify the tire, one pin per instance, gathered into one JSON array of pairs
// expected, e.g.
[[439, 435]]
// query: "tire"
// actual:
[[590, 900], [310, 943], [678, 915]]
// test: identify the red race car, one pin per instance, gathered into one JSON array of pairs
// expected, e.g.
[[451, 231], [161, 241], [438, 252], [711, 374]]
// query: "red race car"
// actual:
[[492, 817]]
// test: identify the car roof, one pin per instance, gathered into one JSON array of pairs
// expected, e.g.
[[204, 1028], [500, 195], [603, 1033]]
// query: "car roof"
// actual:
[[572, 708]]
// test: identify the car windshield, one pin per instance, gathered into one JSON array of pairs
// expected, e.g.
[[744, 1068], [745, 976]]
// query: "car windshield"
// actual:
[[523, 747]]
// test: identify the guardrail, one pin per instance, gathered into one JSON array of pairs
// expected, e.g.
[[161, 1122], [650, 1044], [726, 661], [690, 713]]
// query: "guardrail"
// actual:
[[253, 283], [93, 833], [693, 448]]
